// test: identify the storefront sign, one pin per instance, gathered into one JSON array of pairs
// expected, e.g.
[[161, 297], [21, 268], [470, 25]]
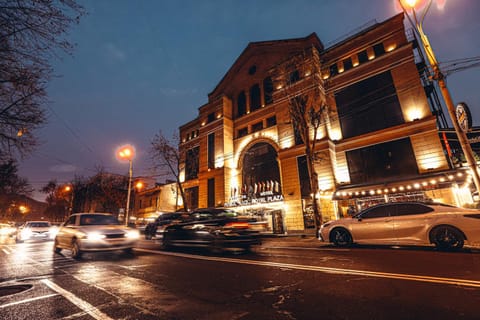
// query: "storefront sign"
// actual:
[[246, 201]]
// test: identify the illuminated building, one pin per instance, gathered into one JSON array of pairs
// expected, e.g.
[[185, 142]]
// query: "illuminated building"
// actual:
[[378, 140]]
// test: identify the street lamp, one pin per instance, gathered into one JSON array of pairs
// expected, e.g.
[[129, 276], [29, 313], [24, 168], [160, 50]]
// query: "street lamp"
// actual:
[[127, 152], [409, 5], [69, 189]]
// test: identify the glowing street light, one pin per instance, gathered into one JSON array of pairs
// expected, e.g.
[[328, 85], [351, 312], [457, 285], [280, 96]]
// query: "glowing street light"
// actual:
[[127, 152], [410, 5], [69, 189]]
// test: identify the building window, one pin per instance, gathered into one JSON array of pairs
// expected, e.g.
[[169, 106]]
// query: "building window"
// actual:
[[362, 56], [255, 102], [192, 163], [211, 150], [191, 195], [382, 162], [211, 192], [211, 117], [368, 106], [272, 121], [242, 132], [268, 90], [333, 70], [303, 177], [241, 104], [257, 126], [378, 49], [294, 76], [347, 64]]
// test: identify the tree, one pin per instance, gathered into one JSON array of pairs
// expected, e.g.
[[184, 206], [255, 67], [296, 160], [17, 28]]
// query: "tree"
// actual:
[[31, 34], [166, 156], [58, 201], [307, 111], [12, 188]]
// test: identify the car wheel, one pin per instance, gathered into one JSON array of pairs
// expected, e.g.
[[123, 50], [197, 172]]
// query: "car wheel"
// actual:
[[128, 251], [216, 247], [165, 243], [76, 252], [56, 249], [340, 237], [447, 238]]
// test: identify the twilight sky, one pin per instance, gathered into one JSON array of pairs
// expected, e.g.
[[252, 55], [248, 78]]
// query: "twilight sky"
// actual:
[[148, 65]]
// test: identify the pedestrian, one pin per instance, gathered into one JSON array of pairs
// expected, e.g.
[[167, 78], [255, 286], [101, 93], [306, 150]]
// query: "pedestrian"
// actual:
[[351, 210]]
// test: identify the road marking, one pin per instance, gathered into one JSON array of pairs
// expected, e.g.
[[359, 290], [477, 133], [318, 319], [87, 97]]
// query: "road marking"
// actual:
[[7, 252], [28, 300], [374, 274], [85, 306]]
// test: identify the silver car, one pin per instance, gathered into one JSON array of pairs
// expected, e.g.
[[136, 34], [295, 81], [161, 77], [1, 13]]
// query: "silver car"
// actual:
[[94, 232], [35, 230], [407, 223]]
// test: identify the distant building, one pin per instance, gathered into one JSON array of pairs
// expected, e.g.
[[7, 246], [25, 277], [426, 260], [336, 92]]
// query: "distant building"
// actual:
[[150, 202], [378, 139]]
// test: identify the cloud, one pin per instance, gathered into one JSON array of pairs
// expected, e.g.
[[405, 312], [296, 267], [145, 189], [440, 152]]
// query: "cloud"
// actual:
[[115, 53], [63, 168]]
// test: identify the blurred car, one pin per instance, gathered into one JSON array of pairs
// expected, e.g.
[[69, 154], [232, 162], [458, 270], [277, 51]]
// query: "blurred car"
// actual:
[[407, 223], [35, 230], [94, 232], [217, 234], [155, 229], [7, 230]]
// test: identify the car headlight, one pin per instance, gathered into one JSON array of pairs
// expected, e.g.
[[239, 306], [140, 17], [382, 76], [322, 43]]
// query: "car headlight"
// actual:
[[132, 234], [26, 233], [95, 236]]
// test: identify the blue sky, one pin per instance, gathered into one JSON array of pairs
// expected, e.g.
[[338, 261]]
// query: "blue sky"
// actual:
[[147, 65]]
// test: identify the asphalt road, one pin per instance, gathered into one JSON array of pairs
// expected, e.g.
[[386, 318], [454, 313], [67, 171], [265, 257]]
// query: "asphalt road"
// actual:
[[286, 278]]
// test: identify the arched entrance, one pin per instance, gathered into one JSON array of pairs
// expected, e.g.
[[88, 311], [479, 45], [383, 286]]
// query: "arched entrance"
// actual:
[[260, 172], [261, 191]]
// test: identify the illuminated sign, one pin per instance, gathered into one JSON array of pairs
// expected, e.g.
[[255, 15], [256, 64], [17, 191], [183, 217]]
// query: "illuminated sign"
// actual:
[[464, 117]]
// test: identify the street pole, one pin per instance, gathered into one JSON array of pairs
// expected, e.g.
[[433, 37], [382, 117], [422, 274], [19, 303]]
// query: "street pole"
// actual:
[[130, 172], [440, 78]]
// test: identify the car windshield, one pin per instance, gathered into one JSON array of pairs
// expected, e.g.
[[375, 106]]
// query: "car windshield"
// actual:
[[97, 219], [38, 225]]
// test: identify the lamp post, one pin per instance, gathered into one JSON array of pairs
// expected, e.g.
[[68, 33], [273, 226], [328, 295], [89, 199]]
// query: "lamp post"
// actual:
[[409, 5], [127, 152], [69, 189]]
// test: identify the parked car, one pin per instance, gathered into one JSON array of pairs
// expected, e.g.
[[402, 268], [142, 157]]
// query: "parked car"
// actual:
[[155, 229], [94, 232], [215, 233], [35, 230], [407, 223]]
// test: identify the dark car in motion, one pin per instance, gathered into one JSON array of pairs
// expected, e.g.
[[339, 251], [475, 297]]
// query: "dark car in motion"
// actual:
[[215, 229], [156, 228]]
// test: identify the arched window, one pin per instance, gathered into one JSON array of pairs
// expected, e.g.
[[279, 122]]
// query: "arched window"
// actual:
[[268, 90], [241, 104], [255, 102]]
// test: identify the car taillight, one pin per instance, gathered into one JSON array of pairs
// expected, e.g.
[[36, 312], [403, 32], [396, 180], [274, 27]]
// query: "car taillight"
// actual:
[[237, 225], [474, 216]]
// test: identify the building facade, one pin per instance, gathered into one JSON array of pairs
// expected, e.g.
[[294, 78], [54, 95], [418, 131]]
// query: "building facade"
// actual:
[[377, 138]]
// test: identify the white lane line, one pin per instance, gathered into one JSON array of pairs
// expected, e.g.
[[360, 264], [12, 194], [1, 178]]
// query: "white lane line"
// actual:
[[28, 300], [7, 252], [401, 276], [85, 306]]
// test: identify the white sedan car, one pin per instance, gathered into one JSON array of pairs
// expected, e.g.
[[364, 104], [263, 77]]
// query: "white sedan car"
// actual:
[[407, 223], [94, 232], [35, 230]]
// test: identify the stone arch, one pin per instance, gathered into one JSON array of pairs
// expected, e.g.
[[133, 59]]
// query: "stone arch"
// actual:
[[260, 169]]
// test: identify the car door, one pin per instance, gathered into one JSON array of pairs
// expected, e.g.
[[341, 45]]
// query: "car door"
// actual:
[[410, 223], [374, 225], [66, 232]]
